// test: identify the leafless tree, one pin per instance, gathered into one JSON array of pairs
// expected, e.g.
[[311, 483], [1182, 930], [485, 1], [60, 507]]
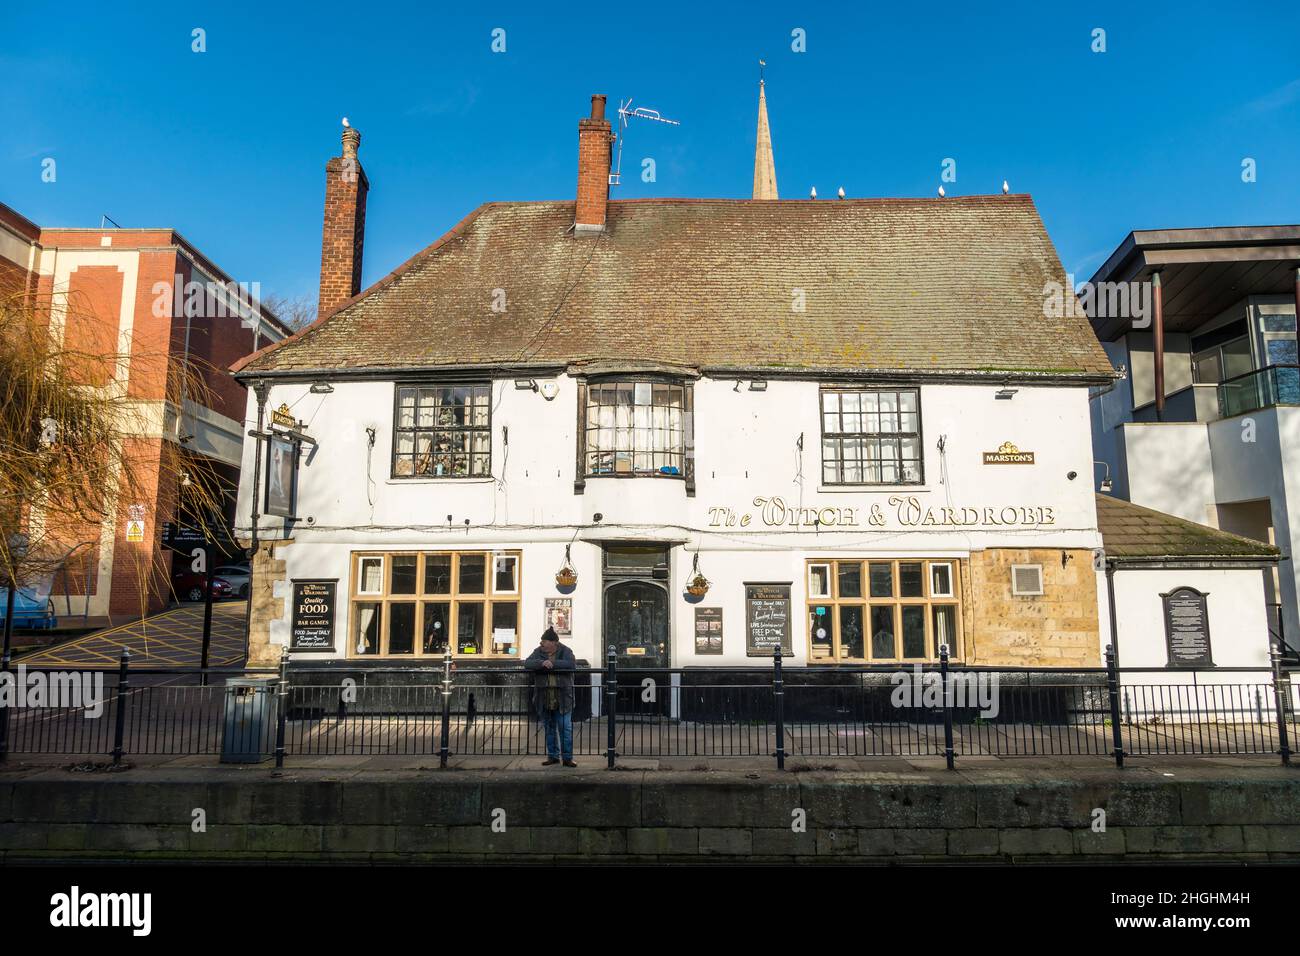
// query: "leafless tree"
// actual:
[[297, 313], [76, 444]]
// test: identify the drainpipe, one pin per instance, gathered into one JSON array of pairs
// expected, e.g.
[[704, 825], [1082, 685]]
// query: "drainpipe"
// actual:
[[1110, 600], [1158, 296], [261, 389]]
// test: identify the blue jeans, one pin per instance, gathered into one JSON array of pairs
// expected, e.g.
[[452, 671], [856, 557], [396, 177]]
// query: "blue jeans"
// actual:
[[559, 734]]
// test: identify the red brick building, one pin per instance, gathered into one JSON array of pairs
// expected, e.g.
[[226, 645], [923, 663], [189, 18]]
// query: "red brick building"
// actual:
[[141, 293]]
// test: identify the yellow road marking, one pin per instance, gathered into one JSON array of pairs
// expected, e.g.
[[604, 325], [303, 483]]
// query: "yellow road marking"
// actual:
[[171, 638]]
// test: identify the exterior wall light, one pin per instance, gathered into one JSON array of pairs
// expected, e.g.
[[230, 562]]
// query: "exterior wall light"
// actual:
[[758, 386], [1006, 393], [1106, 483], [525, 385], [321, 388]]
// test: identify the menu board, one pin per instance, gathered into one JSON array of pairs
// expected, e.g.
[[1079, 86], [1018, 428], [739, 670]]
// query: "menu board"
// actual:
[[767, 620], [708, 630], [313, 616], [1187, 628]]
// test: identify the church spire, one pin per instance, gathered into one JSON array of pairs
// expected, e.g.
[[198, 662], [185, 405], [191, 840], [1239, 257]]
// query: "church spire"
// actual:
[[764, 164]]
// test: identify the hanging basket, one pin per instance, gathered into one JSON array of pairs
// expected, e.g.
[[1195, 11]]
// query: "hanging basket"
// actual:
[[698, 586], [566, 577]]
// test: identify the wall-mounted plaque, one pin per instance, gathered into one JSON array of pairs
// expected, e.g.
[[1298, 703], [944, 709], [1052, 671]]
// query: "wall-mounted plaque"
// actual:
[[1187, 628], [708, 630], [1008, 454], [767, 620], [559, 616], [313, 616]]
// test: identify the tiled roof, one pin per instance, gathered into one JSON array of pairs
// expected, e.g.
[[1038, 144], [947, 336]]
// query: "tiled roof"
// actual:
[[927, 285], [1129, 531]]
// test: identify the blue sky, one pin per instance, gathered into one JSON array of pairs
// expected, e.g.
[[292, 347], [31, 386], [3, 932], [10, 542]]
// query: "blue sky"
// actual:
[[229, 145]]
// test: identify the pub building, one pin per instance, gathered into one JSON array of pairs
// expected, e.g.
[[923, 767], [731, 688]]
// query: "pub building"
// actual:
[[689, 429]]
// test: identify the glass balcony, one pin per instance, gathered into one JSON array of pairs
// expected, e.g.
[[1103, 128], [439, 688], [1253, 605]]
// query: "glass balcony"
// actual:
[[1262, 388]]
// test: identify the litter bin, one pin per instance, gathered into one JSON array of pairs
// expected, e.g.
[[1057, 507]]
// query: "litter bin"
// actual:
[[249, 720]]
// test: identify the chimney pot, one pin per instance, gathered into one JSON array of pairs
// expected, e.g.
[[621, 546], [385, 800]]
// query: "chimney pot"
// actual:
[[344, 231], [594, 155], [351, 141]]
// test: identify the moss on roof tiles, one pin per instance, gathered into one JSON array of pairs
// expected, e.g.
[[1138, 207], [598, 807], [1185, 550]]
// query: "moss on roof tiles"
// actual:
[[953, 285], [1131, 531]]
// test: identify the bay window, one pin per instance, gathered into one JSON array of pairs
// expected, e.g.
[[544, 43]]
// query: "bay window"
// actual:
[[636, 428]]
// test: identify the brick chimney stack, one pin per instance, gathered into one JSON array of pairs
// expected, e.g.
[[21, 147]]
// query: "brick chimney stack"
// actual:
[[594, 141], [344, 233]]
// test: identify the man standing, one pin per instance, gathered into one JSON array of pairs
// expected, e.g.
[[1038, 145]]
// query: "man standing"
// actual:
[[552, 665]]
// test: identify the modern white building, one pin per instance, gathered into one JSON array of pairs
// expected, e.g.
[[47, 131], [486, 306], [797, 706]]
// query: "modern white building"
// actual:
[[1210, 430]]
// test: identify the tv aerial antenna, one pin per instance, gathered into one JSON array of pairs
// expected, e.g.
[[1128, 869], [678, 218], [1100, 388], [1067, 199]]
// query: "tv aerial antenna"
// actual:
[[627, 112]]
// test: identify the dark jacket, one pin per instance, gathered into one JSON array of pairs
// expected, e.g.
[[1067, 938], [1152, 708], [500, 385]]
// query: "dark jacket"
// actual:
[[563, 671]]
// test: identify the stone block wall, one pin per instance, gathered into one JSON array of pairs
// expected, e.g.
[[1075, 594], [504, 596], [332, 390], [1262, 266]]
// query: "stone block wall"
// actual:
[[1058, 628], [642, 816], [268, 569]]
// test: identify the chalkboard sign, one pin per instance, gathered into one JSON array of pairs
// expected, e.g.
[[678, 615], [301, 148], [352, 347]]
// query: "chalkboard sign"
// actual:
[[313, 616], [708, 630], [767, 620], [1187, 628]]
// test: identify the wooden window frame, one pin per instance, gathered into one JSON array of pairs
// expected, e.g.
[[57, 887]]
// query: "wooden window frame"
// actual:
[[415, 430], [919, 435], [685, 451], [383, 575], [489, 598], [866, 602], [513, 556], [830, 570], [952, 579]]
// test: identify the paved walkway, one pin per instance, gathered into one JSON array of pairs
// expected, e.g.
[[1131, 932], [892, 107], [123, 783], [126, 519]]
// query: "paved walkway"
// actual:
[[983, 767], [173, 638]]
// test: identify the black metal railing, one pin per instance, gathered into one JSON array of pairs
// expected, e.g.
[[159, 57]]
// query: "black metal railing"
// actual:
[[949, 711]]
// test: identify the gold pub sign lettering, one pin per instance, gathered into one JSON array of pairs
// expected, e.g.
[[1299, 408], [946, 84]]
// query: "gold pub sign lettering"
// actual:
[[282, 416], [906, 511], [1008, 454]]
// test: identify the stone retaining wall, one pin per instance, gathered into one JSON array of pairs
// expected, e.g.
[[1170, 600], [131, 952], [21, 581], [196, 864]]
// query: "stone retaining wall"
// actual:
[[649, 816]]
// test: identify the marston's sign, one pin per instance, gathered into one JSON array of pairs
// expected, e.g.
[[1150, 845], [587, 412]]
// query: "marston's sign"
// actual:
[[283, 417], [1008, 454], [906, 511]]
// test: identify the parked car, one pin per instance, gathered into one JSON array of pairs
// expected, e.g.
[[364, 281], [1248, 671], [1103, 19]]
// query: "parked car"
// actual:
[[238, 575], [188, 586]]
